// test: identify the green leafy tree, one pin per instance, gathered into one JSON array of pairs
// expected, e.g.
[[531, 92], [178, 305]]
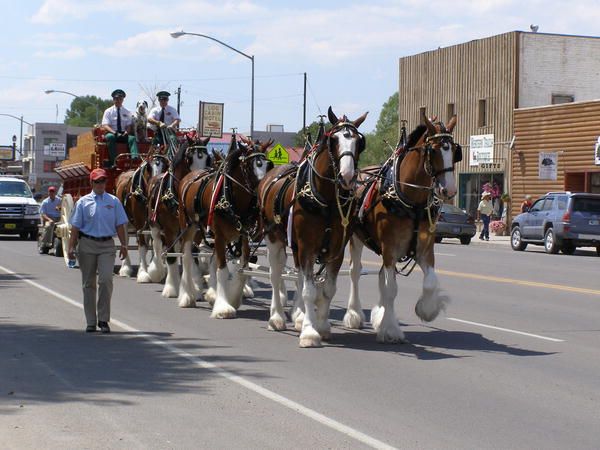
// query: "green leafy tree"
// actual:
[[313, 129], [387, 129], [86, 111]]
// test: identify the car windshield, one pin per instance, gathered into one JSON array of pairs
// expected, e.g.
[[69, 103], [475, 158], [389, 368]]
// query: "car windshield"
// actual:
[[14, 189], [590, 205], [451, 209]]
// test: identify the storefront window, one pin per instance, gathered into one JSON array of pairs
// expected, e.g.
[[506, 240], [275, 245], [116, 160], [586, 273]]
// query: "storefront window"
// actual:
[[472, 185]]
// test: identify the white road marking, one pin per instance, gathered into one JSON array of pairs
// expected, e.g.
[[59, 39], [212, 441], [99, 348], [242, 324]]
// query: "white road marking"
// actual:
[[284, 401], [444, 254], [504, 329]]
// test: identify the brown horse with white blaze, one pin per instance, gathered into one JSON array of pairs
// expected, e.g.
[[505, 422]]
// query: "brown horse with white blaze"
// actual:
[[318, 199], [226, 202], [399, 208]]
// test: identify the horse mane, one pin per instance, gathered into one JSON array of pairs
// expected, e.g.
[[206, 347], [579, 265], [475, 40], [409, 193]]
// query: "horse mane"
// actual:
[[233, 155], [415, 135], [180, 154]]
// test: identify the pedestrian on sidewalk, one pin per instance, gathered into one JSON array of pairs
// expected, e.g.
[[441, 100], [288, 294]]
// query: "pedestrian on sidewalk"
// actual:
[[97, 217], [484, 213], [526, 205]]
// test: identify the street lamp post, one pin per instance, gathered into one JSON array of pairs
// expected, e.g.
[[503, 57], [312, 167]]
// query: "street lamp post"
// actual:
[[177, 34], [20, 119], [51, 91]]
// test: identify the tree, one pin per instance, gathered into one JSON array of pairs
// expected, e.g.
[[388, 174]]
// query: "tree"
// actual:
[[300, 138], [83, 112], [387, 129]]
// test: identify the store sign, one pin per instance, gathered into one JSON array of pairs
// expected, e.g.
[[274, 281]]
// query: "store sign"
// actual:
[[547, 166], [7, 153], [55, 149], [481, 149], [597, 152], [211, 119]]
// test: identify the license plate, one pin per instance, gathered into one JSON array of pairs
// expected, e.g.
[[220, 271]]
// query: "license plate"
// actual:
[[589, 237], [594, 222], [10, 226], [456, 229]]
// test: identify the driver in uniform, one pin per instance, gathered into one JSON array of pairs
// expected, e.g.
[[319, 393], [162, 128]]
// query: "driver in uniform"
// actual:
[[50, 211]]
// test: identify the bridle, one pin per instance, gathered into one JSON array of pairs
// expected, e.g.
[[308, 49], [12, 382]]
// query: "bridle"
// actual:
[[198, 149], [446, 140]]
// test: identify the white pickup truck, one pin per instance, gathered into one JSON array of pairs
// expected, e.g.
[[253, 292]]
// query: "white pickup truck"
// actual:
[[19, 212]]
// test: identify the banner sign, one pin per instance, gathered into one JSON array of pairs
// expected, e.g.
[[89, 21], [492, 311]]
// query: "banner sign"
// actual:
[[548, 163], [597, 152], [481, 149], [55, 149], [7, 153], [211, 119]]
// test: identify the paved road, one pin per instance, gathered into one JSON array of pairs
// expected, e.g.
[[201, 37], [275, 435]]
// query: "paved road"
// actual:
[[513, 364]]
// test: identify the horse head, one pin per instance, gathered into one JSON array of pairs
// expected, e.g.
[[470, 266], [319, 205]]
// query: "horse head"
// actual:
[[442, 153], [345, 144], [253, 159], [158, 164], [196, 152]]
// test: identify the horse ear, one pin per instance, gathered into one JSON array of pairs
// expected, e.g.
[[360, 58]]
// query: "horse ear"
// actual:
[[332, 117], [360, 120], [266, 145], [430, 128], [451, 124]]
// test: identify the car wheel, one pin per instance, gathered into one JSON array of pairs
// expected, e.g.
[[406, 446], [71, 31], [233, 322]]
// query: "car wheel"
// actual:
[[550, 244], [568, 248], [598, 251], [465, 240], [57, 245], [24, 235], [438, 239], [516, 242]]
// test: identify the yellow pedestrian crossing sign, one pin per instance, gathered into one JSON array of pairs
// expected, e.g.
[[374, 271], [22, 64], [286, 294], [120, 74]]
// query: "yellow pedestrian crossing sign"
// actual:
[[278, 154]]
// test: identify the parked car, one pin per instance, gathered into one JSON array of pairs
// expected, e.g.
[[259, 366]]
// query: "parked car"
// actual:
[[19, 212], [453, 222], [559, 221]]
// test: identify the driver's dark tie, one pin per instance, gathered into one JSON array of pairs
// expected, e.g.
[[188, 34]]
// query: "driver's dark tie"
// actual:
[[162, 115], [119, 129]]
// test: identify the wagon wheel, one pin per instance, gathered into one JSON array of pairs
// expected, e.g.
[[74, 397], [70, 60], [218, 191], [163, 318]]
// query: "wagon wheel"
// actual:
[[63, 228]]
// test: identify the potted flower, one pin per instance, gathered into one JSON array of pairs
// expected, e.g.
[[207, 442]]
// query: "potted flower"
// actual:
[[497, 227], [505, 198]]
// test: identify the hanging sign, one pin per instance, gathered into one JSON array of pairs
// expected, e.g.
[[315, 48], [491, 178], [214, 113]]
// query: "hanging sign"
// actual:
[[547, 167], [7, 153], [211, 119], [597, 152], [481, 149]]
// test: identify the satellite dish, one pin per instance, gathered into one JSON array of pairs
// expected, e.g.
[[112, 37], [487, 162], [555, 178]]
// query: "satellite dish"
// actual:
[[534, 28]]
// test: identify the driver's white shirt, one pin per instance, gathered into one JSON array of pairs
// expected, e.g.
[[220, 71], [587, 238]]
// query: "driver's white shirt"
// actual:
[[110, 118], [170, 115]]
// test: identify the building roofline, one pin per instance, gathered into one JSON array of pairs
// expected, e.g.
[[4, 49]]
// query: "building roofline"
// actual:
[[563, 105]]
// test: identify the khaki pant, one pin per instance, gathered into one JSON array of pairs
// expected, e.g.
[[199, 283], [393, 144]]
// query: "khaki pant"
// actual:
[[96, 262]]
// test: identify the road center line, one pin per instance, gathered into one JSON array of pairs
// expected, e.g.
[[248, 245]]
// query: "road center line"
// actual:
[[474, 276], [477, 324], [196, 360]]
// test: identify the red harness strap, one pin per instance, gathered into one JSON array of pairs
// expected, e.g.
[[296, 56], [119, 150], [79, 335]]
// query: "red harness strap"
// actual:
[[368, 200], [213, 199]]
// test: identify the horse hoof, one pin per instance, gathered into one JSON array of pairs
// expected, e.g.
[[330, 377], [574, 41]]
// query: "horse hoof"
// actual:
[[376, 317], [310, 340], [125, 272], [224, 312], [277, 323], [354, 320], [186, 301], [169, 292], [429, 310], [210, 296], [143, 277]]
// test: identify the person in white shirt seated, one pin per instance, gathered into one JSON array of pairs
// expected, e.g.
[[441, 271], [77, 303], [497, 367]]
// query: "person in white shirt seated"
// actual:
[[164, 120], [117, 121]]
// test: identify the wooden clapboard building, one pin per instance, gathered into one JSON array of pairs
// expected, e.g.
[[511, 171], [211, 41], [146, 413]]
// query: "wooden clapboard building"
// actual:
[[484, 81], [565, 138]]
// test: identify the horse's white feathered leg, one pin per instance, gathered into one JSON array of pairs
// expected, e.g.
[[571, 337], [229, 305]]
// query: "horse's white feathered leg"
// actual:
[[309, 337], [277, 259], [355, 317], [157, 269], [187, 289], [388, 330], [432, 301]]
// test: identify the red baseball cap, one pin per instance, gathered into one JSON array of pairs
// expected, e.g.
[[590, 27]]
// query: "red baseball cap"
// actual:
[[51, 189], [96, 174]]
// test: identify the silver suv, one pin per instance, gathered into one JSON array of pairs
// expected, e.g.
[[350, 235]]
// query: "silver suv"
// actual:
[[559, 221], [19, 212]]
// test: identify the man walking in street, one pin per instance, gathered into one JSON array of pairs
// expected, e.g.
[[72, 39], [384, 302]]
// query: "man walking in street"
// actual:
[[97, 217], [484, 213]]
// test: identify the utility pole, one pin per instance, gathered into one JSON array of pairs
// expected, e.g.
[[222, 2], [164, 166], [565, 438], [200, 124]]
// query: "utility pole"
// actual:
[[304, 116], [178, 99]]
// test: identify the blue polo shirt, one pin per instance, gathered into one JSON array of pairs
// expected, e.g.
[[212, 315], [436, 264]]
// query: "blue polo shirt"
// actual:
[[98, 215], [49, 207]]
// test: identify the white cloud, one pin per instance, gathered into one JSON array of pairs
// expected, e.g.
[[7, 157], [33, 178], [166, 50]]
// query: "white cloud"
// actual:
[[67, 53]]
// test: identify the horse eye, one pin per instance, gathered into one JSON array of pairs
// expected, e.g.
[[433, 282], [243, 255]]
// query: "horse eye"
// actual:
[[259, 163]]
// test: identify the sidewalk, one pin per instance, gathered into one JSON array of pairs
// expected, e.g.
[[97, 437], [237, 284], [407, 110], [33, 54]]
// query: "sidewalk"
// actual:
[[494, 240]]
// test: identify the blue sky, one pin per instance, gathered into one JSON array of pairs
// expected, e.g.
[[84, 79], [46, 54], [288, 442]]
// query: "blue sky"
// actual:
[[349, 51]]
